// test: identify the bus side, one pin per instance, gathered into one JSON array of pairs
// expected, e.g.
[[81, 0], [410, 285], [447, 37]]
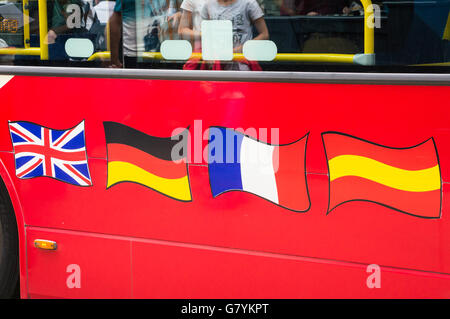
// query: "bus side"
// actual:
[[128, 240]]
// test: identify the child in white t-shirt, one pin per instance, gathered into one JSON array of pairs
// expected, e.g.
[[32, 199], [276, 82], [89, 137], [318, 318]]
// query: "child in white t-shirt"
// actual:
[[190, 22], [243, 14]]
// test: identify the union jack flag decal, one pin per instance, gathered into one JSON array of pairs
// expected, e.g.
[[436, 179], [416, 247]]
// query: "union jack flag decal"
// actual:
[[41, 151]]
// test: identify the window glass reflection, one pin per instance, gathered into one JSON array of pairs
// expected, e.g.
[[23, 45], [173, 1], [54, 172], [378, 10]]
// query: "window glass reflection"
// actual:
[[362, 35]]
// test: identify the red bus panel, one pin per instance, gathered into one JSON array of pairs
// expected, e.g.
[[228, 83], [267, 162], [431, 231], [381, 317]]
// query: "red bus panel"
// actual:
[[236, 244]]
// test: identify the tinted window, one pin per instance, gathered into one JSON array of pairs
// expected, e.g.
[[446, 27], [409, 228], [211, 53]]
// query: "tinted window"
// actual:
[[250, 35]]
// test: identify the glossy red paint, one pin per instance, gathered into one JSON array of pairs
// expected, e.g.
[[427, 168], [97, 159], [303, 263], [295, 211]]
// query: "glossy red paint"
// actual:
[[104, 266], [238, 244]]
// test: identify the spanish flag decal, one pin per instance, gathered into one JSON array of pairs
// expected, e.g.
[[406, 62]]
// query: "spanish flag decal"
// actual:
[[405, 179], [147, 160]]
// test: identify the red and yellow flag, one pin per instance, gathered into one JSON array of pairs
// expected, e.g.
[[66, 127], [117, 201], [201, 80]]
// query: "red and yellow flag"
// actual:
[[405, 179]]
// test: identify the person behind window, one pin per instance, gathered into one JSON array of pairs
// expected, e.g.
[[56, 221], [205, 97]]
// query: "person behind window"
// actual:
[[190, 22], [67, 17], [243, 14], [125, 23], [173, 19], [162, 23]]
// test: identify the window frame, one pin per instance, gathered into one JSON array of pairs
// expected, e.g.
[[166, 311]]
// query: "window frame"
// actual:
[[234, 76]]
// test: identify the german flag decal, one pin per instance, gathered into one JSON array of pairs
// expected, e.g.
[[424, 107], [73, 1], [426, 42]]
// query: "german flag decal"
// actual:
[[405, 179], [147, 160]]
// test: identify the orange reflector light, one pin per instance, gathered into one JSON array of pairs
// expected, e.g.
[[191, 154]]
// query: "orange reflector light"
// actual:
[[45, 244]]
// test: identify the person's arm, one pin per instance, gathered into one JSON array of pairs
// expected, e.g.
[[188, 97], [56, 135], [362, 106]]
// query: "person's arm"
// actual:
[[185, 28], [263, 33], [261, 27], [52, 34], [58, 23], [175, 18], [115, 33], [60, 29]]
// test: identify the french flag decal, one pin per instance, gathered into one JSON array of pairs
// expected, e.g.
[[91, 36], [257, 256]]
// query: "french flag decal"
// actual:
[[274, 172]]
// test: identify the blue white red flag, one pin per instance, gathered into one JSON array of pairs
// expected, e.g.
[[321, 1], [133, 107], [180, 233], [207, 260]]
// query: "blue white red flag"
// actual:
[[41, 151], [274, 172]]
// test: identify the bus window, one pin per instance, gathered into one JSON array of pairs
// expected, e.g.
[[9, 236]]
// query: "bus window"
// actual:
[[246, 35], [290, 35], [59, 32]]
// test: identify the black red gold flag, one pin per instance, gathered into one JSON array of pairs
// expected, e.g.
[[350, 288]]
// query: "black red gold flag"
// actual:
[[134, 156]]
